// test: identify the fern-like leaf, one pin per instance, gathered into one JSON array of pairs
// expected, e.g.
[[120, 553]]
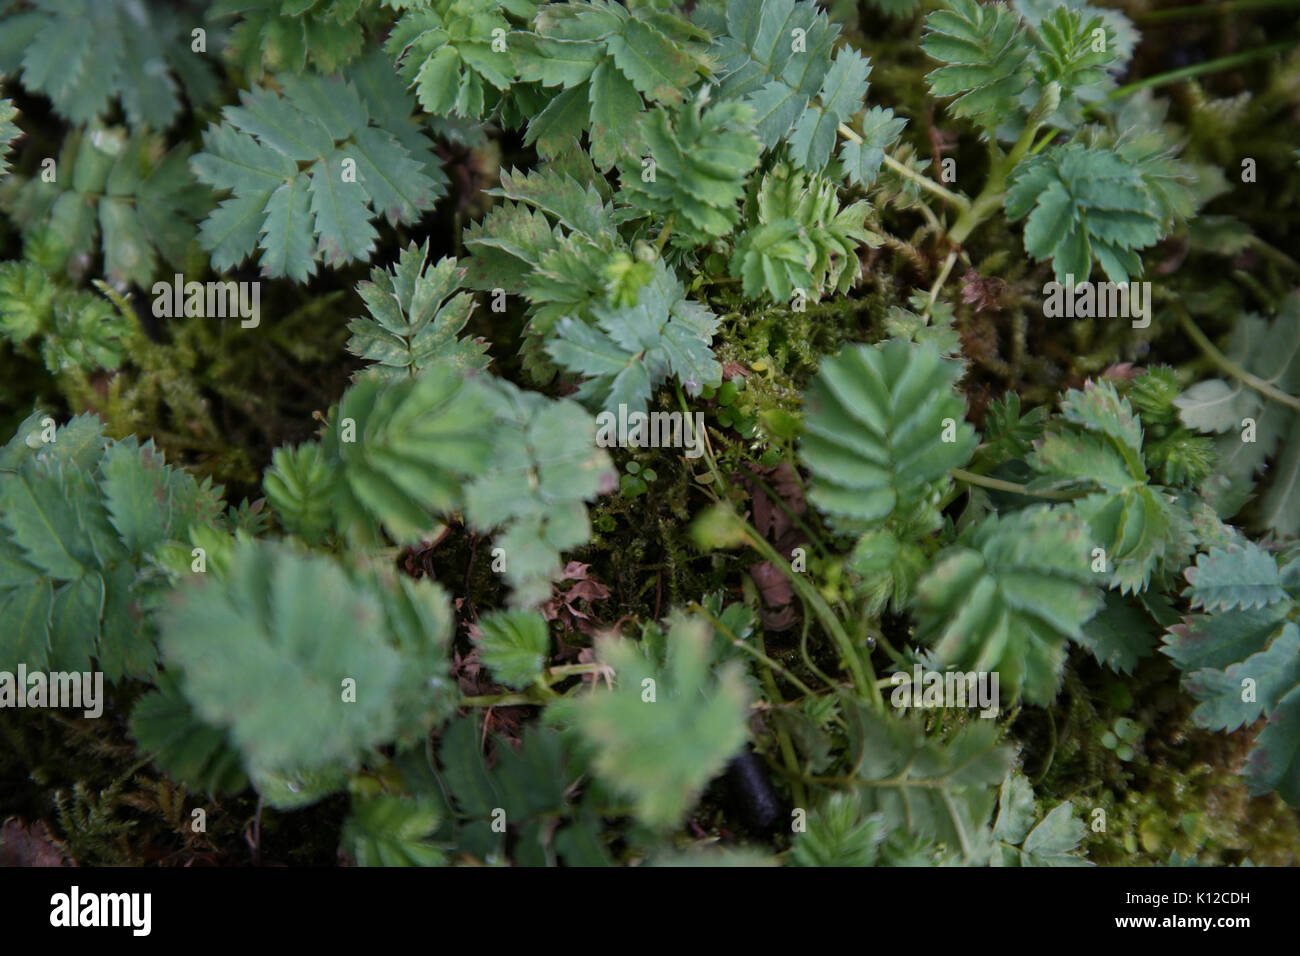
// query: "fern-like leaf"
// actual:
[[633, 349], [986, 59], [86, 57], [701, 156], [801, 239], [1099, 443], [1008, 597], [415, 316], [124, 195], [307, 170], [1084, 203], [884, 427], [82, 518]]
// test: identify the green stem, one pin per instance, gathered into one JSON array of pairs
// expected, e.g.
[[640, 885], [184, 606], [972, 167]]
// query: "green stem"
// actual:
[[664, 233], [1203, 10], [1227, 365], [864, 677], [1200, 69], [502, 700], [784, 743], [990, 197], [766, 661], [997, 484], [925, 182]]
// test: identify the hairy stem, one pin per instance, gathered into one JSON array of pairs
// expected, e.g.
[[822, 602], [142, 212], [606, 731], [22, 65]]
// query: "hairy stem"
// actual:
[[925, 182]]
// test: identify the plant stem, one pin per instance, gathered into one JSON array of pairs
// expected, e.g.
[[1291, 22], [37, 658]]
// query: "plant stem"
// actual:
[[664, 233], [997, 484], [1200, 11], [1227, 365], [925, 182], [989, 199], [767, 662], [864, 677], [1200, 69], [808, 593]]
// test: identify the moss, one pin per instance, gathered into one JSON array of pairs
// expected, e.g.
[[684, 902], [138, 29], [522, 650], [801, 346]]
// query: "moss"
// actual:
[[1181, 792]]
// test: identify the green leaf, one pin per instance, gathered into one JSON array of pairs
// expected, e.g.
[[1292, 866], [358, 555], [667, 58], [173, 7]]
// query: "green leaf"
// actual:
[[875, 431], [799, 92], [545, 464], [1007, 598], [402, 448], [286, 232], [342, 218], [1274, 764], [310, 168], [634, 349], [388, 830], [1244, 577], [185, 748], [1271, 352], [701, 158], [937, 789], [842, 92], [879, 129], [1084, 202], [514, 646], [124, 197], [288, 656], [1099, 443], [86, 57], [446, 51], [839, 834], [300, 488], [1240, 694], [9, 132], [415, 317], [802, 240], [1119, 635], [985, 55], [664, 732]]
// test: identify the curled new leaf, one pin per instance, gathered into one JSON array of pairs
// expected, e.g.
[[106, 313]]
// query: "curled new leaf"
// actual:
[[695, 166]]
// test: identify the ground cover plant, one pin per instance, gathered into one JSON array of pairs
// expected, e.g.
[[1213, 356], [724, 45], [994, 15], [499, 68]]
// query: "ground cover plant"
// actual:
[[587, 433]]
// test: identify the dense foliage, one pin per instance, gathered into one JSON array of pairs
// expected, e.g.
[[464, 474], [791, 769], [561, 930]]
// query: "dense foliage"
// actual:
[[597, 433]]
